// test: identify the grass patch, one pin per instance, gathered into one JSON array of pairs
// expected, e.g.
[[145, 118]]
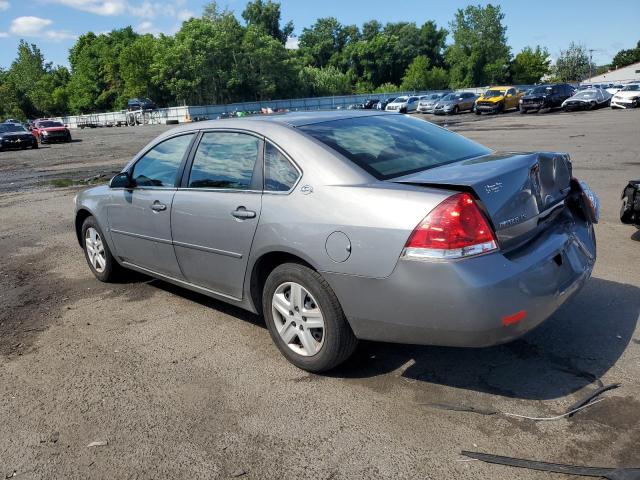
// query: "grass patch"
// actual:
[[69, 182], [62, 182]]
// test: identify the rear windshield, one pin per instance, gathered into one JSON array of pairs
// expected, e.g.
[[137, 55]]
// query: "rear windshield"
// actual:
[[12, 127], [49, 124], [389, 146]]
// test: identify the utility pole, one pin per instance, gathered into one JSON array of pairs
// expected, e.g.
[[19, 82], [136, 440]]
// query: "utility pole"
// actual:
[[591, 50]]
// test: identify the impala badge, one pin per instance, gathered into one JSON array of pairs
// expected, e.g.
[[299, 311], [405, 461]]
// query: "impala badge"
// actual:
[[493, 188]]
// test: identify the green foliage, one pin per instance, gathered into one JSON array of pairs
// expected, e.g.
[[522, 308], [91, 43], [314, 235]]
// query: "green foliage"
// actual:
[[219, 58], [420, 77], [573, 64], [479, 54], [529, 66], [266, 15], [323, 81], [387, 88], [626, 57]]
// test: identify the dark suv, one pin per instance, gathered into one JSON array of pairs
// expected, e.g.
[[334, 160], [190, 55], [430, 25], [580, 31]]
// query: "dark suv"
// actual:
[[140, 104], [546, 96]]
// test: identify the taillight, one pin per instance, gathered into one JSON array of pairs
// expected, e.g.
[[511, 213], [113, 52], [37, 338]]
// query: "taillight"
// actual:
[[456, 228]]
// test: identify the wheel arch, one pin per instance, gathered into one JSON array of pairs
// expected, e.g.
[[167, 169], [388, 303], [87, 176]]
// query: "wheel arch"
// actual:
[[81, 215], [261, 269]]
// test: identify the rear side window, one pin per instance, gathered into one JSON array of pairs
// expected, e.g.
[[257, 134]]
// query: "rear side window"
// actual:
[[224, 160], [279, 173], [389, 146], [159, 166]]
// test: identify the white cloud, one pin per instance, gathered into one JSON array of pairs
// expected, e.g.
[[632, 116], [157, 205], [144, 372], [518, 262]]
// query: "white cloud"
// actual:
[[4, 5], [147, 27], [184, 15], [292, 43], [146, 9], [29, 26], [98, 7], [38, 27]]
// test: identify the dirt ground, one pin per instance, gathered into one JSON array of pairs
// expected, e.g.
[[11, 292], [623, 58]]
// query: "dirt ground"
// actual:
[[182, 386]]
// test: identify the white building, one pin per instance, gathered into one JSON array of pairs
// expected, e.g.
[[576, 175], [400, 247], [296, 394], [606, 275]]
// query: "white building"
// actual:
[[624, 74]]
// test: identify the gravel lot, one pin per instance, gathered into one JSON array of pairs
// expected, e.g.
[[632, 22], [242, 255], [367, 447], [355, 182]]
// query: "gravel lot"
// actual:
[[181, 385]]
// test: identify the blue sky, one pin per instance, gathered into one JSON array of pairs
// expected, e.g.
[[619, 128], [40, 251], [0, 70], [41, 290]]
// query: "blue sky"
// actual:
[[54, 24]]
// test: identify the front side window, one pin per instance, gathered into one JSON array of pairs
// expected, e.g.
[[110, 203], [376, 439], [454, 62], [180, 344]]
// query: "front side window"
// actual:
[[389, 146], [159, 166], [224, 160], [279, 173]]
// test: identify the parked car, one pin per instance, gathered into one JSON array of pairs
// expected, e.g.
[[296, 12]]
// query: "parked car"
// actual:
[[546, 96], [428, 102], [403, 104], [382, 104], [498, 99], [630, 210], [614, 88], [47, 131], [587, 100], [350, 225], [628, 97], [15, 135], [12, 120], [456, 102], [140, 104], [371, 103]]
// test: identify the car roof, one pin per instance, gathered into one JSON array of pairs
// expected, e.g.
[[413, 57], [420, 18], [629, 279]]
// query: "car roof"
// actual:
[[290, 119]]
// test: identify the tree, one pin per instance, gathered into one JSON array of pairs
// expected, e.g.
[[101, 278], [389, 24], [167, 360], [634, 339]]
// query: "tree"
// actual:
[[419, 77], [572, 64], [265, 70], [324, 81], [626, 57], [479, 54], [266, 15], [529, 66], [319, 42]]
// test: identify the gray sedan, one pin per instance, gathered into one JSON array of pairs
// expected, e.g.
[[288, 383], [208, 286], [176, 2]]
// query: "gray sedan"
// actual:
[[339, 226], [455, 103]]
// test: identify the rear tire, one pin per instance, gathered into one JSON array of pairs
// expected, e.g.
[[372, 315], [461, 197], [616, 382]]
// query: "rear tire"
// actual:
[[97, 252], [290, 291]]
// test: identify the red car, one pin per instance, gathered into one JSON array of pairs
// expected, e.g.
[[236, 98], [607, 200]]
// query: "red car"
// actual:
[[47, 131]]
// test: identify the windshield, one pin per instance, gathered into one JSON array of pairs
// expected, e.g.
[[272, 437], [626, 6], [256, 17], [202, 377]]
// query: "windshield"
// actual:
[[400, 99], [11, 127], [49, 124], [631, 88], [389, 146], [585, 94], [493, 93], [540, 89], [451, 96]]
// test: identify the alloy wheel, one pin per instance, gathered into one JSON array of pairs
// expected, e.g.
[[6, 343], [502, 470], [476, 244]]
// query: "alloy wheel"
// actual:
[[95, 250], [298, 318]]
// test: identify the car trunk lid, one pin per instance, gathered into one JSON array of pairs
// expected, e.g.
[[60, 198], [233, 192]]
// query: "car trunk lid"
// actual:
[[520, 192]]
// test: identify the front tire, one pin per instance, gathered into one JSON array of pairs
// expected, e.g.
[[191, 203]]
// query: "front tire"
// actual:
[[305, 319], [97, 253]]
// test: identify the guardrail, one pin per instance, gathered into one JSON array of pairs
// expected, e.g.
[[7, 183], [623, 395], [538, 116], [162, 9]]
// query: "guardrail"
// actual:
[[210, 112]]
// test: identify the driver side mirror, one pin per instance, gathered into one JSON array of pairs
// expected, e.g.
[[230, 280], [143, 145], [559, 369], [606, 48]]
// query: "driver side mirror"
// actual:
[[121, 180], [509, 95]]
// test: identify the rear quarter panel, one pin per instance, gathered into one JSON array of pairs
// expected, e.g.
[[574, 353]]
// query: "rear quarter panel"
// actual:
[[377, 221]]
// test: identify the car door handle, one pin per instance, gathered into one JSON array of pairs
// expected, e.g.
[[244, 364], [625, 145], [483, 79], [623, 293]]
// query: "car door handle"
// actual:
[[242, 213], [158, 207]]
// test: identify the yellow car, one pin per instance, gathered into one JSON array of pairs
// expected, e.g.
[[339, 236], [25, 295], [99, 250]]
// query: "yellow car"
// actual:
[[498, 99]]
